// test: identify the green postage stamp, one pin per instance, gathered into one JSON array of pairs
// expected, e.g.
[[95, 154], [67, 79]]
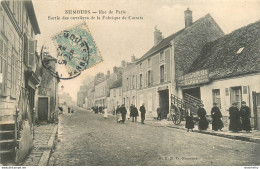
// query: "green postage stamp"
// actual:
[[77, 49]]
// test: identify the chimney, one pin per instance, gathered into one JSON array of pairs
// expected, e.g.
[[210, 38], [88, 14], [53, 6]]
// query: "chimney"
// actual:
[[157, 36], [188, 17], [133, 58], [115, 69], [123, 63]]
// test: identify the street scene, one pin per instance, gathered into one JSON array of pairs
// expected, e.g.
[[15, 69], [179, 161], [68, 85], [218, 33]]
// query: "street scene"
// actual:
[[121, 84], [88, 139]]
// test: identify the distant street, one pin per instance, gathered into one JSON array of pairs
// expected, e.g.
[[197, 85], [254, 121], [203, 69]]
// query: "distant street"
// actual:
[[89, 139]]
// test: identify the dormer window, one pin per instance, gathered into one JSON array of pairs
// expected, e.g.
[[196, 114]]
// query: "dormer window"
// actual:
[[240, 50]]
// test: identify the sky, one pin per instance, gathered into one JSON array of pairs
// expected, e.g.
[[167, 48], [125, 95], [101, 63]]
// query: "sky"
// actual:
[[119, 40]]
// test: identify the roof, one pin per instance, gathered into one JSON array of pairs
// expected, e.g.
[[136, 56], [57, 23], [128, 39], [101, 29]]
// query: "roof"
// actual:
[[32, 16], [234, 54], [167, 41], [117, 83]]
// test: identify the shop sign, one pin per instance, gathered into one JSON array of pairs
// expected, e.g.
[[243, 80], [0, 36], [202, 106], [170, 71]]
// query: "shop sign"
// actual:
[[162, 88], [193, 78]]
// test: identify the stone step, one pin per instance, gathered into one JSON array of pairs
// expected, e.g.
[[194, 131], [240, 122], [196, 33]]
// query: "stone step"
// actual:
[[7, 131], [7, 122], [6, 151], [7, 141]]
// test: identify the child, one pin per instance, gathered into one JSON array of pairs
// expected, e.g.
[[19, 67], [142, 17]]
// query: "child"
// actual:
[[189, 121], [105, 112]]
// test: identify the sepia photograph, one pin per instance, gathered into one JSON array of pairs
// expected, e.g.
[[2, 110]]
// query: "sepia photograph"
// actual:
[[129, 83]]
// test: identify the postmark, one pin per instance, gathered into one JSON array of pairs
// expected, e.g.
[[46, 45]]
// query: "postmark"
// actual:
[[76, 51]]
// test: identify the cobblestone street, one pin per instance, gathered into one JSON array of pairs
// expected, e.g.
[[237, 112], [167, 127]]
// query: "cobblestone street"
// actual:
[[85, 138]]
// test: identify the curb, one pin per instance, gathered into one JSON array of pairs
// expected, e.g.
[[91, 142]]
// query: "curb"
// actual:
[[247, 139], [44, 160]]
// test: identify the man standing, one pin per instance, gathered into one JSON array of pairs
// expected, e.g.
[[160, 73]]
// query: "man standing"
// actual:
[[123, 112], [143, 111], [234, 116], [246, 115], [216, 118], [135, 113], [159, 113]]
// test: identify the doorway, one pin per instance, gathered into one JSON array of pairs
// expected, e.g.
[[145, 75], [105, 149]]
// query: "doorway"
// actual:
[[43, 109], [195, 92], [164, 102], [256, 109]]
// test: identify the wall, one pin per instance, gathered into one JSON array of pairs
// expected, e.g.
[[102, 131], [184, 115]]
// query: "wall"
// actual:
[[251, 81]]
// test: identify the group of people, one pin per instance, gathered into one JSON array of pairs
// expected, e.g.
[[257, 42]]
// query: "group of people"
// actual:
[[121, 112], [235, 116]]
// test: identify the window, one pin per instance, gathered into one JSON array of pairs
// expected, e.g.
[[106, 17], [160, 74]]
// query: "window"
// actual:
[[133, 81], [149, 78], [162, 56], [162, 73], [13, 74], [126, 83], [141, 67], [114, 91], [141, 80], [3, 66], [216, 97], [119, 92], [236, 95], [149, 63]]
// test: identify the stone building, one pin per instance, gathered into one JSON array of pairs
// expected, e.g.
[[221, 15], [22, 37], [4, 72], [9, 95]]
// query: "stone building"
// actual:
[[47, 102], [129, 85], [169, 58], [231, 66], [115, 97], [19, 76]]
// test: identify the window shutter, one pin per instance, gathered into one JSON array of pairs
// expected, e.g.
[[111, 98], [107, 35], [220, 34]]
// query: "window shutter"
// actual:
[[26, 53], [151, 75], [31, 52], [165, 73]]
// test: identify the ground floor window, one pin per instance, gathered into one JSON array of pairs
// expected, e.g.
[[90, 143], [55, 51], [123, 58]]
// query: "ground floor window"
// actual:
[[216, 97], [236, 95]]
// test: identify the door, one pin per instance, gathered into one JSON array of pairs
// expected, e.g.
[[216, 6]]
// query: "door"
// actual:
[[256, 108], [43, 109]]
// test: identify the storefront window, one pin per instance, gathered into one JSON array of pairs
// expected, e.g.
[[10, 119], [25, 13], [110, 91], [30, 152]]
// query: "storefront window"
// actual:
[[216, 97]]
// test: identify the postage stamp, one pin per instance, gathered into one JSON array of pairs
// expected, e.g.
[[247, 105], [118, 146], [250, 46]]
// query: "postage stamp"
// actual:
[[76, 49]]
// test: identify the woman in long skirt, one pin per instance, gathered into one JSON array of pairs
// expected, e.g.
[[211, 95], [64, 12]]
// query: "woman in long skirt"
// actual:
[[189, 121], [203, 121]]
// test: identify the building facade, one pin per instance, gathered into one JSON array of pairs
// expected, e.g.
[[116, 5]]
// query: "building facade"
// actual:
[[169, 58], [231, 75], [129, 84], [115, 97], [19, 74]]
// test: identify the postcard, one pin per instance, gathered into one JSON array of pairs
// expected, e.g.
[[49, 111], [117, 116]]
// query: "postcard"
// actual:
[[129, 83]]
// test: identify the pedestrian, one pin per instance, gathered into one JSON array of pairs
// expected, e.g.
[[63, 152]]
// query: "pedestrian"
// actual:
[[143, 111], [234, 116], [113, 110], [123, 112], [100, 109], [135, 113], [118, 115], [189, 120], [216, 115], [72, 111], [132, 112], [68, 109], [105, 112], [203, 121], [96, 110], [246, 115], [159, 113]]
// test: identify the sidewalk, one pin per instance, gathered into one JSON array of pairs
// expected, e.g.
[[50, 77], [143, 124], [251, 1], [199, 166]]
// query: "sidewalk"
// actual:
[[254, 136], [43, 144]]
